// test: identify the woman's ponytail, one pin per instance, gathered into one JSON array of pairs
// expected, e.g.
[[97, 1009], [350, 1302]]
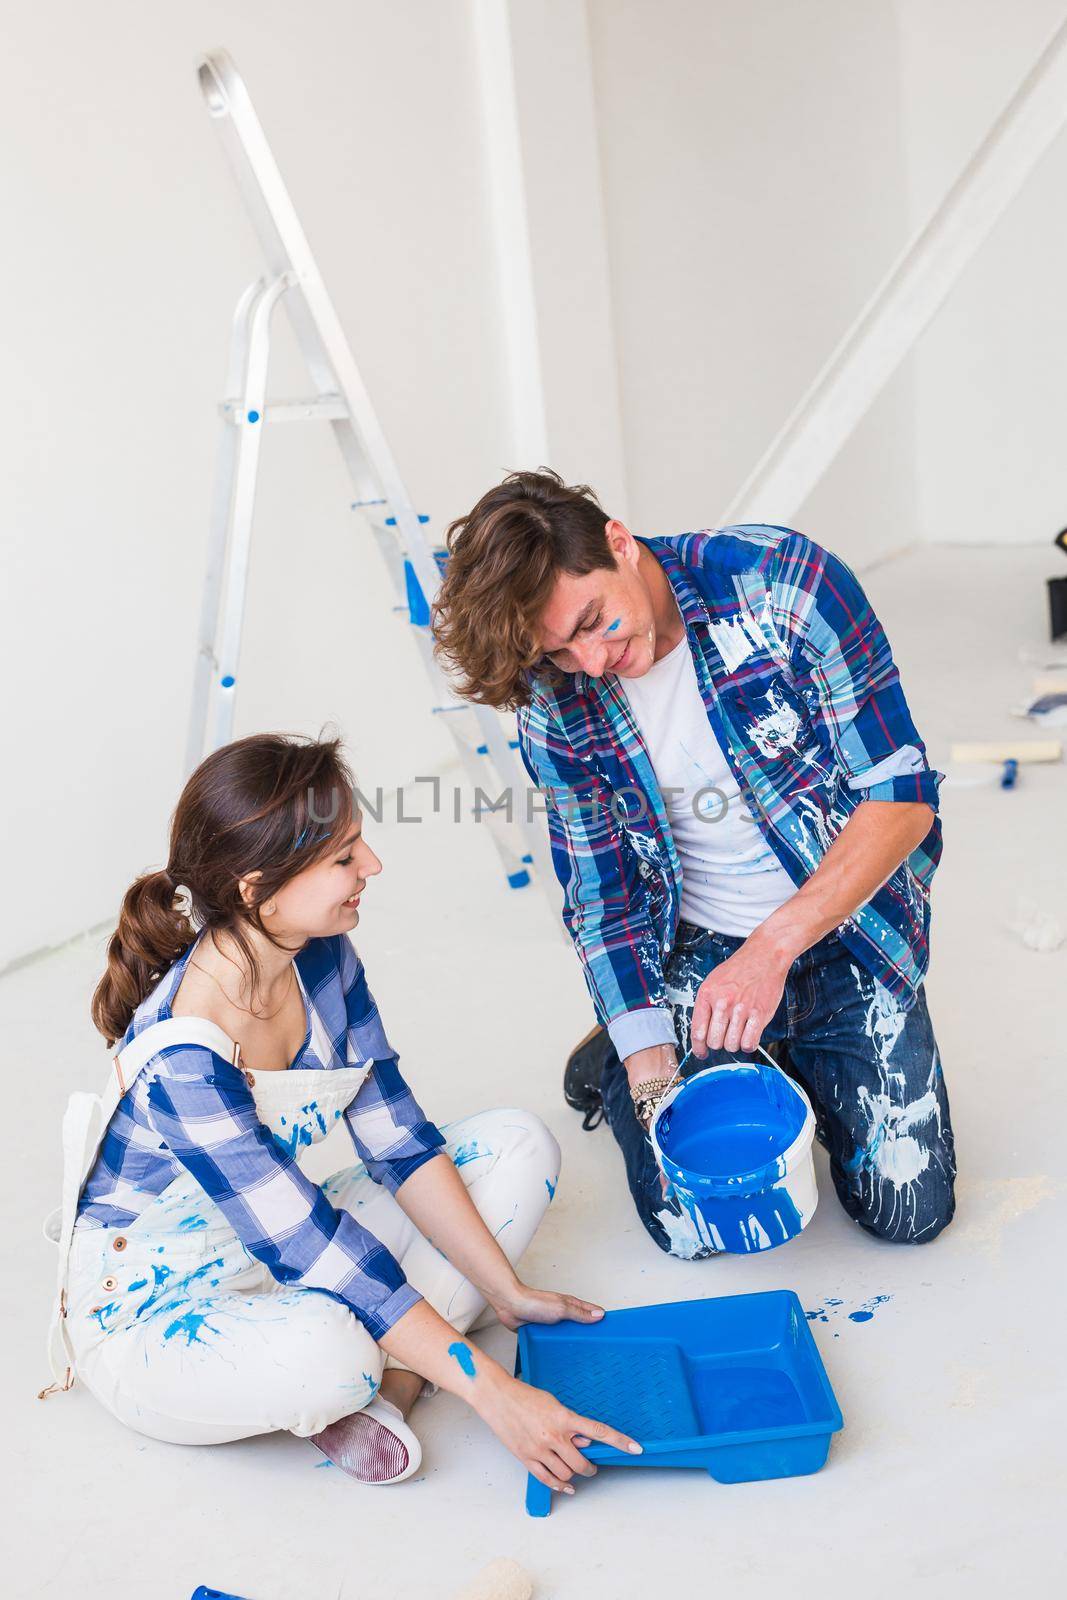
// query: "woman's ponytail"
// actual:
[[151, 934], [255, 812]]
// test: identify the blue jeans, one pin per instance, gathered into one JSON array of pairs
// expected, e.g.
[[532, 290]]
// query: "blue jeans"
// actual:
[[870, 1069]]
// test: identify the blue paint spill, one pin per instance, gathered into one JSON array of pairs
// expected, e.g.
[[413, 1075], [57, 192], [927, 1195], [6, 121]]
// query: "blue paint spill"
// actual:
[[313, 1109], [830, 1309], [468, 1152], [189, 1324], [740, 1222], [868, 1308], [102, 1313], [461, 1353]]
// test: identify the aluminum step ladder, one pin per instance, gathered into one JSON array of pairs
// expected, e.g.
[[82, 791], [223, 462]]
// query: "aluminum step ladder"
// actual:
[[339, 397]]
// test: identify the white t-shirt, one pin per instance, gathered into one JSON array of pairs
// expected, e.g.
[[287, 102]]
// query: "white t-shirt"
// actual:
[[731, 879]]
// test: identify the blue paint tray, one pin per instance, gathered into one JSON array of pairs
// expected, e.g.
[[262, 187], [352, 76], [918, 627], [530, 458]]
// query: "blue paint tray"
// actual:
[[734, 1385]]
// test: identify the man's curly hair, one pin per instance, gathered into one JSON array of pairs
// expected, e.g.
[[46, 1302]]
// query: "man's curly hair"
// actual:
[[504, 557]]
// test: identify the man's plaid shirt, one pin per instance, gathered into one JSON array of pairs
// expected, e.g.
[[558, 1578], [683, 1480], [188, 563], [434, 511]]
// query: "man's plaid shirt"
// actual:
[[804, 698]]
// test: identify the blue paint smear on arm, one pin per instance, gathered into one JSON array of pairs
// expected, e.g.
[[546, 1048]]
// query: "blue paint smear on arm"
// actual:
[[461, 1353]]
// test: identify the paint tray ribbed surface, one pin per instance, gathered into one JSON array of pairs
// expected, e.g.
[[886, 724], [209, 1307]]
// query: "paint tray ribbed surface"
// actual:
[[733, 1385]]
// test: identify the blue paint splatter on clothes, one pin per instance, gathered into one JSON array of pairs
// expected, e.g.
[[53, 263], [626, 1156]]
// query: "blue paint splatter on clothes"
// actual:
[[191, 1224], [468, 1152], [461, 1353], [551, 1187], [102, 1313], [189, 1324]]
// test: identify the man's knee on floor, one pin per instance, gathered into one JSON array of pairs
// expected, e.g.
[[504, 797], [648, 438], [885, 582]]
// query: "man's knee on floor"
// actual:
[[900, 1217]]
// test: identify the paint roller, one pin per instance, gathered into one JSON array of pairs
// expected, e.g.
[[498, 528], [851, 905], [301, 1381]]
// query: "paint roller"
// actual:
[[1009, 755]]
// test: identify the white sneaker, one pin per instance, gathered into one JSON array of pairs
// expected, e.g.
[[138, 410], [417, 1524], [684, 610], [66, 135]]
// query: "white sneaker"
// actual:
[[374, 1445]]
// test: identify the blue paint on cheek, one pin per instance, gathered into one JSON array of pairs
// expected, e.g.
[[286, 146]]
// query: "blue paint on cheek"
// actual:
[[461, 1353], [616, 624]]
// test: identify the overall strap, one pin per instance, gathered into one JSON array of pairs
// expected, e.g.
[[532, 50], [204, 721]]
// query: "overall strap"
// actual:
[[131, 1060]]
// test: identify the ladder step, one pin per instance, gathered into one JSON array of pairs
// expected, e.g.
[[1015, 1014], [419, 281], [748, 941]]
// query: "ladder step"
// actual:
[[321, 408]]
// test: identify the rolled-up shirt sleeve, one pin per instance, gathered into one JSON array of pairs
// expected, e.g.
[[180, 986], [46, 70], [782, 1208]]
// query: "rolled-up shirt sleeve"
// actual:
[[391, 1132], [841, 648], [201, 1106]]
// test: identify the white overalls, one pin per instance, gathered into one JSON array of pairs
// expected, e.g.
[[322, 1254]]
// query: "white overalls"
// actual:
[[185, 1336]]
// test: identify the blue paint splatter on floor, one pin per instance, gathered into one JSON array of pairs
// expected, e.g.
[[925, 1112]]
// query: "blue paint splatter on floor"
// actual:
[[831, 1308], [868, 1308]]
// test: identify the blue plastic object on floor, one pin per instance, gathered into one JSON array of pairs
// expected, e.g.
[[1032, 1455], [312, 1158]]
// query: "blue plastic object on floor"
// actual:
[[734, 1385]]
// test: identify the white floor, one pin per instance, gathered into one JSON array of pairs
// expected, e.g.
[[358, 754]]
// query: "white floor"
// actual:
[[944, 1480]]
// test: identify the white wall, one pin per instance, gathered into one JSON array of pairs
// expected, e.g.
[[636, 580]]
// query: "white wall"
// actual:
[[754, 189], [709, 191], [991, 405], [125, 254]]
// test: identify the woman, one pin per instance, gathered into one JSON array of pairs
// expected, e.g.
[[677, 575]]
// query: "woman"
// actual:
[[214, 1290]]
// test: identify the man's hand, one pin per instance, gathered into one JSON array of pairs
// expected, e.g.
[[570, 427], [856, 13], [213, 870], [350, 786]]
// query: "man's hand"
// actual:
[[738, 998]]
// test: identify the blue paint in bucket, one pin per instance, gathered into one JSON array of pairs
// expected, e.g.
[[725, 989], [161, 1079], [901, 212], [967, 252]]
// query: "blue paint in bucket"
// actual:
[[735, 1145]]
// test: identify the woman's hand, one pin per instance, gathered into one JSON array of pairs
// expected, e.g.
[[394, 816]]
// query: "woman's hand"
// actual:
[[521, 1304], [547, 1437]]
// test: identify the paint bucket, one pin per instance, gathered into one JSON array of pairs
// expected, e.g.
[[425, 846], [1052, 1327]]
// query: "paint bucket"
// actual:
[[735, 1144]]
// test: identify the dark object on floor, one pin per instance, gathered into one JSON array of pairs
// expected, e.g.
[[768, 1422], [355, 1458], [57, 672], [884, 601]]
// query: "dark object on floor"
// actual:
[[582, 1075], [731, 1384], [1057, 595]]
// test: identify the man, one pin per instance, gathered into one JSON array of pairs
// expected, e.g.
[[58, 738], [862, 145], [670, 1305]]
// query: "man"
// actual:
[[741, 815]]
